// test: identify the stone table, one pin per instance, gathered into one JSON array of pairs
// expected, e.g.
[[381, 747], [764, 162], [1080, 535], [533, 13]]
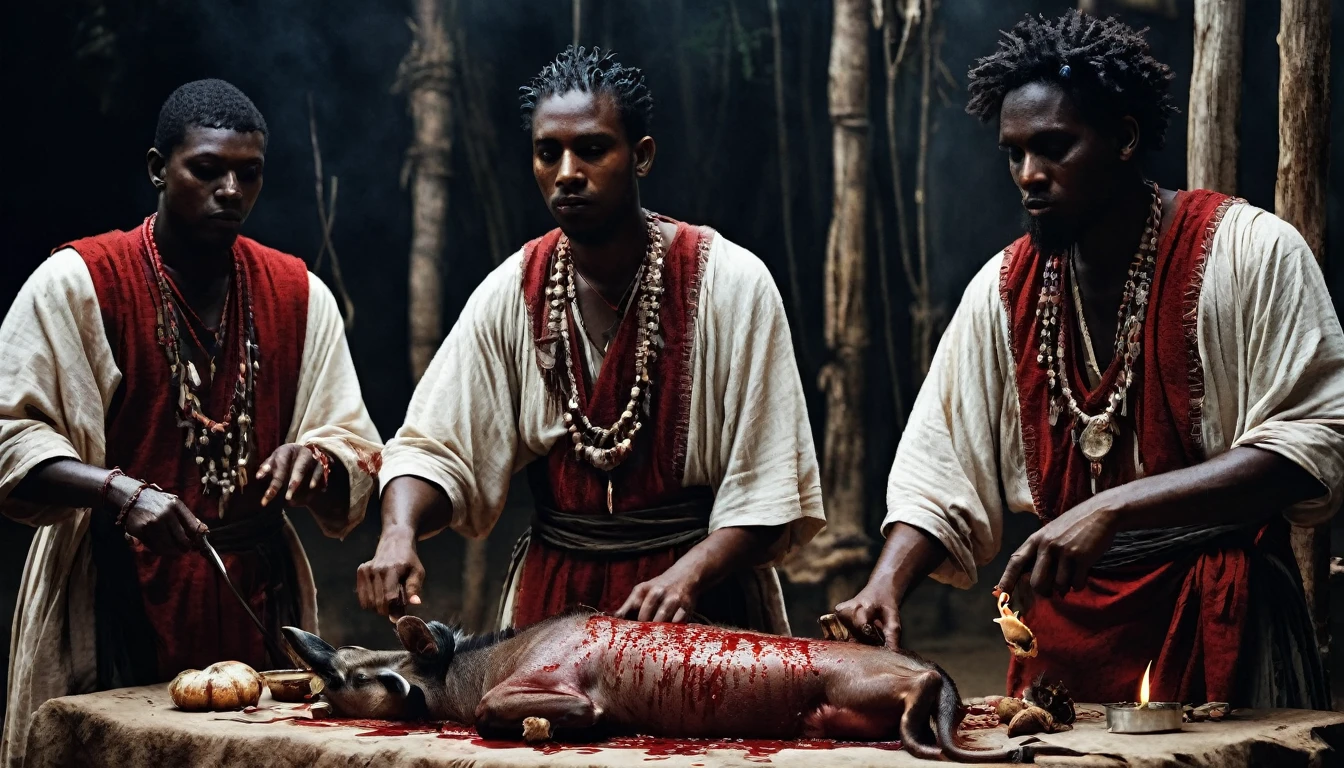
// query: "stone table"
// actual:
[[140, 727]]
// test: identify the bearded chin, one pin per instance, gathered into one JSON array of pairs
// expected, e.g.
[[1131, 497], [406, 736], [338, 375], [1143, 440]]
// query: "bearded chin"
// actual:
[[1049, 235]]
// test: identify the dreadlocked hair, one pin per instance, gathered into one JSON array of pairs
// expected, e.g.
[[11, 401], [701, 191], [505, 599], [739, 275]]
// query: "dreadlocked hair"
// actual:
[[1104, 66], [597, 72]]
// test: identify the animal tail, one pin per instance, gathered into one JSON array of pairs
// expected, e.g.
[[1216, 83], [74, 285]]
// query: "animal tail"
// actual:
[[949, 715]]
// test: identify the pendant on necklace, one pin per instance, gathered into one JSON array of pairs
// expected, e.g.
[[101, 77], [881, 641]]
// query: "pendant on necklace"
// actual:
[[1096, 440]]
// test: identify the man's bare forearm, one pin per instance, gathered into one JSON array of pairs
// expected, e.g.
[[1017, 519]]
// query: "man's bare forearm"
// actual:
[[1243, 485], [908, 556], [71, 483], [727, 551], [412, 506]]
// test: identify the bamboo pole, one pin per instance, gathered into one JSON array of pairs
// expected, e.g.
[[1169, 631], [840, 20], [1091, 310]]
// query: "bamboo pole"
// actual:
[[1299, 199], [1215, 96]]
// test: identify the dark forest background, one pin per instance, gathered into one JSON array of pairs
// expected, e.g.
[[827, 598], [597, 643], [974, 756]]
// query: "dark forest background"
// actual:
[[84, 80]]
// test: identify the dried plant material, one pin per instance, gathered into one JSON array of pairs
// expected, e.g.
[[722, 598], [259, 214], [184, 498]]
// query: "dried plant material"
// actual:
[[1031, 720], [536, 729], [1008, 708], [1019, 638], [1053, 698], [221, 686]]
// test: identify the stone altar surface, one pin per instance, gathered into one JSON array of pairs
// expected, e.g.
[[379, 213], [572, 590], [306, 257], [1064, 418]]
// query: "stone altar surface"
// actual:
[[140, 727]]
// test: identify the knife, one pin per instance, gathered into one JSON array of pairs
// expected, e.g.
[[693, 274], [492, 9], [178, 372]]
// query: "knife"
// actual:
[[271, 644]]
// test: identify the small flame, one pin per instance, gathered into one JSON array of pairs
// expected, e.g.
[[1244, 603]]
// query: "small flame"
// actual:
[[1143, 689]]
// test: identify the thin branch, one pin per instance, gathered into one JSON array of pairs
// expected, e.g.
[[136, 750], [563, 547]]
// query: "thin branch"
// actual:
[[924, 312], [326, 217], [888, 314], [893, 151]]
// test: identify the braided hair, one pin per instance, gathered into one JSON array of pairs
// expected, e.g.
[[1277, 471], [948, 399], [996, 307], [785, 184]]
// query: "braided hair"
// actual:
[[593, 71], [1104, 66], [208, 104]]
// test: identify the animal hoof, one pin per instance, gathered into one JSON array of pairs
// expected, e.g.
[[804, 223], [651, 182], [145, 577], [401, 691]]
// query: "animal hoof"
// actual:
[[536, 729]]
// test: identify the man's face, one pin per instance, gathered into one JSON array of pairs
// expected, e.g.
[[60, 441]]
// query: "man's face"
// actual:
[[585, 166], [211, 181], [1066, 170]]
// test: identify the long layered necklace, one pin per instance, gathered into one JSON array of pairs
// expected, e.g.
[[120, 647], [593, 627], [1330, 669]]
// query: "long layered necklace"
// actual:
[[607, 447], [1095, 434], [222, 449]]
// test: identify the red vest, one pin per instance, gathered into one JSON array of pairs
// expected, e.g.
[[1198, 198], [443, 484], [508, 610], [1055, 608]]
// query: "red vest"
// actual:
[[195, 619], [1185, 616], [553, 580]]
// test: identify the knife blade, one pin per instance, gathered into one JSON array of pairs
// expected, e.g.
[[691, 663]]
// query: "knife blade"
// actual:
[[271, 644]]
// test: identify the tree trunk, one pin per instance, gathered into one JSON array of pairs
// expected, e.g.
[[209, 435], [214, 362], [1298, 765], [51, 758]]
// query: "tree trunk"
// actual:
[[425, 75], [1215, 96], [1299, 199], [844, 545]]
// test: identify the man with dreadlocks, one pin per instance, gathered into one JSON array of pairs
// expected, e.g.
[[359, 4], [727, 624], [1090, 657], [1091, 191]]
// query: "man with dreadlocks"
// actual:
[[640, 367], [1165, 447], [163, 383]]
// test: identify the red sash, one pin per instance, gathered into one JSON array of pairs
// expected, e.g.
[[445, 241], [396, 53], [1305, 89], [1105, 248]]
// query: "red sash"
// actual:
[[195, 619], [553, 580], [1184, 616]]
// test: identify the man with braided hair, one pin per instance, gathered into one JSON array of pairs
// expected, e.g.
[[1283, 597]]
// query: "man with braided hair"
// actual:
[[1157, 375], [159, 384], [641, 369]]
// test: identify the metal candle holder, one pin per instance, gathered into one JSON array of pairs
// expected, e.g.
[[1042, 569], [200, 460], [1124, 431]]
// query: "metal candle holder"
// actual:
[[1154, 717]]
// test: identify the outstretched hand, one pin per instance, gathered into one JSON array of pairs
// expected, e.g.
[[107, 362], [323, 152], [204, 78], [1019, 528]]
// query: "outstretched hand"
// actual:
[[1061, 554], [295, 471]]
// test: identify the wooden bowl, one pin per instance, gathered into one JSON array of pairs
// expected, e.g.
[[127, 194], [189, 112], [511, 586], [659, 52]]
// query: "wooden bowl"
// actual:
[[293, 685]]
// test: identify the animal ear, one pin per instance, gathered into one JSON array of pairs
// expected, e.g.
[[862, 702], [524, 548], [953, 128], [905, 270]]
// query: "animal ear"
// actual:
[[312, 649], [417, 638]]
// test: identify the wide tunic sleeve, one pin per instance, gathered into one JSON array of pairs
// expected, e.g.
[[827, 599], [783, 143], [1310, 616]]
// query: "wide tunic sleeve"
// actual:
[[329, 410], [57, 377], [962, 438], [1273, 353], [749, 435], [462, 426]]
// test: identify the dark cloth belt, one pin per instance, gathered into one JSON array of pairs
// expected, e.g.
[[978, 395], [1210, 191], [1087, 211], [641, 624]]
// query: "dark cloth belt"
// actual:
[[249, 533], [1168, 544], [626, 533]]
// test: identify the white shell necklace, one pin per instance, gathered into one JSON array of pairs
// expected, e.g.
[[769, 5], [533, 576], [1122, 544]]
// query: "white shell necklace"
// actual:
[[606, 447], [1097, 433]]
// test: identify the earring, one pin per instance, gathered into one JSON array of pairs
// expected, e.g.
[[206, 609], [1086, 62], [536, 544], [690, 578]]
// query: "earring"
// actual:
[[158, 183]]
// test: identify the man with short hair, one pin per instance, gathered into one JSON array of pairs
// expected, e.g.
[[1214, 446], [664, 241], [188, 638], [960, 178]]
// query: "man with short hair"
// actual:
[[163, 383], [640, 367], [1157, 375]]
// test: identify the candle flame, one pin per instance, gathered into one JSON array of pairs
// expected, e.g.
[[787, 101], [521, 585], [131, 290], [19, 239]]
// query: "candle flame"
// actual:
[[1143, 689]]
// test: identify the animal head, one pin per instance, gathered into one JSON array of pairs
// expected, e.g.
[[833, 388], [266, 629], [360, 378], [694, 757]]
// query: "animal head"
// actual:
[[389, 685]]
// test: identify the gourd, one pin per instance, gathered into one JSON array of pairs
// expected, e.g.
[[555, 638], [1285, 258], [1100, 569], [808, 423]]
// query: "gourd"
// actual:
[[220, 686]]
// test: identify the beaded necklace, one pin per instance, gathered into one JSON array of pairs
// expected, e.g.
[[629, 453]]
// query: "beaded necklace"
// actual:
[[222, 449], [607, 447], [1097, 433]]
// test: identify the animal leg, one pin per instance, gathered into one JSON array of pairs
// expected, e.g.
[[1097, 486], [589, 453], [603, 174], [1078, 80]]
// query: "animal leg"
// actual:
[[505, 708]]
